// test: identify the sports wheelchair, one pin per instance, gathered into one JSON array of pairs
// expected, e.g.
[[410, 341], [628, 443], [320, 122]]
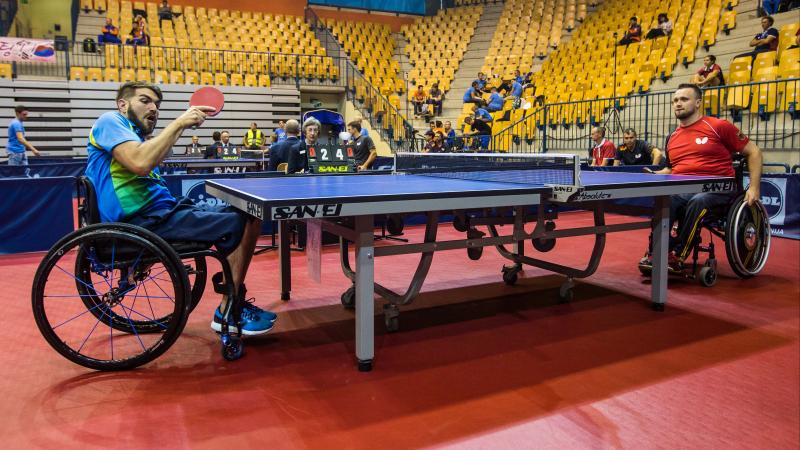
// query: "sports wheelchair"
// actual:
[[744, 230], [114, 296]]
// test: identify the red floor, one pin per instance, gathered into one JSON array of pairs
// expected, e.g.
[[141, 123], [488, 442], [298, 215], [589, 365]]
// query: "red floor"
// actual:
[[476, 364]]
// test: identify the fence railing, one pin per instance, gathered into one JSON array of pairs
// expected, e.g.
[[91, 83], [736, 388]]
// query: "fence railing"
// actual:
[[368, 99], [767, 112]]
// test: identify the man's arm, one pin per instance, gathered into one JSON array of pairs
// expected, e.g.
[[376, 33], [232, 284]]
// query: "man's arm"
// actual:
[[754, 160], [370, 159], [28, 145], [655, 152], [142, 157]]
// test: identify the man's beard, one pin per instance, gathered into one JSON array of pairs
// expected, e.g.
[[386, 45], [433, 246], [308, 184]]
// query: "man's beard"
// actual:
[[683, 114], [145, 129]]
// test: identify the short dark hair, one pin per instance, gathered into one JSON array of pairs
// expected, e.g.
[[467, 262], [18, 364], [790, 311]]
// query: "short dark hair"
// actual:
[[128, 89], [224, 131], [20, 108], [252, 123], [629, 131], [770, 19], [635, 18], [355, 124], [439, 124], [474, 84], [712, 58], [216, 136], [697, 92], [602, 130]]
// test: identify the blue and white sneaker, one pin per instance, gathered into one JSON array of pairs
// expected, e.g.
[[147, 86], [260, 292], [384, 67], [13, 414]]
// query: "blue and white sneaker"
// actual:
[[256, 320]]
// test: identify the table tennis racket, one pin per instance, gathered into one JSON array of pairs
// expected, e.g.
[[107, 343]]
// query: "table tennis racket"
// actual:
[[208, 96]]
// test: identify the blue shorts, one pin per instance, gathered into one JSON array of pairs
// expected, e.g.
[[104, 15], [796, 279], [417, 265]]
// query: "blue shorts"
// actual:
[[221, 226]]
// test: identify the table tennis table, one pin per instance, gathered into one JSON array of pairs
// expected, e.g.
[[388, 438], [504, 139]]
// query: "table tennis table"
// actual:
[[238, 165], [480, 190]]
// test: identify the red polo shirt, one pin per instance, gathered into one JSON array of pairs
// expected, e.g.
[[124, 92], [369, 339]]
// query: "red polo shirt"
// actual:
[[705, 148], [605, 149]]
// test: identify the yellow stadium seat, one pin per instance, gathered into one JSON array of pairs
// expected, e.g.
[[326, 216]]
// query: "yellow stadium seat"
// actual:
[[176, 77], [763, 60], [87, 4], [790, 98], [192, 77], [220, 79], [143, 75], [206, 77], [161, 77], [94, 74], [740, 64], [77, 74], [712, 99], [738, 96], [765, 96], [786, 36], [237, 79], [250, 80], [111, 75], [264, 81], [127, 75]]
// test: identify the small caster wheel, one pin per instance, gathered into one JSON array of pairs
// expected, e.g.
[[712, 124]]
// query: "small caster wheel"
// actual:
[[565, 295], [707, 276], [233, 349], [510, 277], [658, 307], [392, 323], [475, 253], [545, 245], [394, 225], [645, 269], [349, 298], [460, 223], [285, 296], [364, 365]]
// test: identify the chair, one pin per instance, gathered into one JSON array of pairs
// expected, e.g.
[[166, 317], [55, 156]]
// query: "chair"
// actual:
[[143, 75], [77, 73], [283, 167], [176, 77], [111, 75], [192, 78], [93, 74], [237, 79], [6, 71], [206, 78], [126, 75], [221, 79]]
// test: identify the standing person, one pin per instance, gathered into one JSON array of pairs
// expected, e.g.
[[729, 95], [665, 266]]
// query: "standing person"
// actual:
[[710, 74], [636, 152], [280, 132], [603, 151], [123, 168], [363, 147], [17, 144], [287, 150], [254, 138], [702, 145], [481, 130]]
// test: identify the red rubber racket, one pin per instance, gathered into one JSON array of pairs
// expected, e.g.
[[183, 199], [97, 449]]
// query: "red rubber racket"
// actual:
[[208, 96]]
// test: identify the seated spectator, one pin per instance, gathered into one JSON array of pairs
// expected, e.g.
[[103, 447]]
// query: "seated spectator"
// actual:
[[438, 127], [434, 143], [634, 33], [138, 37], [194, 149], [710, 74], [603, 151], [473, 94], [664, 27], [110, 34], [164, 13], [482, 132], [482, 81], [450, 135], [481, 114], [516, 93], [418, 98], [435, 98], [518, 77], [635, 152], [495, 101], [766, 40]]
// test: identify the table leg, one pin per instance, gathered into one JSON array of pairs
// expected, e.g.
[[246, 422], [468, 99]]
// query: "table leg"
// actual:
[[661, 230], [284, 252], [365, 288]]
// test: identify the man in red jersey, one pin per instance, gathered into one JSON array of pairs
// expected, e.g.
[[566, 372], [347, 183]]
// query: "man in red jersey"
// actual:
[[703, 145], [603, 152]]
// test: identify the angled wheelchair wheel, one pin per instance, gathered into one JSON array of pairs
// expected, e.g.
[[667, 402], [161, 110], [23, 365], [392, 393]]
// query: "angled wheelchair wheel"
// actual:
[[747, 238], [111, 297]]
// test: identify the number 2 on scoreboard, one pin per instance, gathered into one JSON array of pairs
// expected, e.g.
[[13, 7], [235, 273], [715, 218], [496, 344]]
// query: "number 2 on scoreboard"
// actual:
[[324, 152]]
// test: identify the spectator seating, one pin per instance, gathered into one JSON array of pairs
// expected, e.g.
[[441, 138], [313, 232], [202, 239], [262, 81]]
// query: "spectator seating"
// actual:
[[436, 45], [219, 41], [370, 46]]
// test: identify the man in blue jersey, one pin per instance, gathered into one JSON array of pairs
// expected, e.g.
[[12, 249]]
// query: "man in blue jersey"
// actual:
[[123, 167], [17, 144]]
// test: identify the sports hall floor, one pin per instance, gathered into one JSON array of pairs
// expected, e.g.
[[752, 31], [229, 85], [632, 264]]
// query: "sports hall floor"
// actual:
[[476, 364]]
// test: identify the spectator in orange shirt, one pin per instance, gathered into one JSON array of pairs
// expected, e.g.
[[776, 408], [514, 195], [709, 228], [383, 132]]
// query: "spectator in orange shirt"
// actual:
[[634, 33], [110, 33], [418, 98]]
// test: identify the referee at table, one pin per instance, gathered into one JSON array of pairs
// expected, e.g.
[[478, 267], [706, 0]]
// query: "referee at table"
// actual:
[[288, 150]]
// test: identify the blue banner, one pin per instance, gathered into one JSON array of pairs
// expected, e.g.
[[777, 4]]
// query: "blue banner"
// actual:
[[64, 169], [396, 6], [35, 212], [780, 194]]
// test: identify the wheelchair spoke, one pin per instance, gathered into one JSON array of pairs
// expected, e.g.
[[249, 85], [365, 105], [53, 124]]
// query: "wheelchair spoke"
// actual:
[[130, 323], [160, 324], [88, 285], [92, 330], [147, 295], [79, 315]]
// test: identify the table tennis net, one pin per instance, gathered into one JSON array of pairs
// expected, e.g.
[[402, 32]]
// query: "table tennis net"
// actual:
[[518, 168]]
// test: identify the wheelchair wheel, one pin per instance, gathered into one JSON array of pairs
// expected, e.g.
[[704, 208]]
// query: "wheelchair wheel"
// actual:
[[131, 287], [747, 238]]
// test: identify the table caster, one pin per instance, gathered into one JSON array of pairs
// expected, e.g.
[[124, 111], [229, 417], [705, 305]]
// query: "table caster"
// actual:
[[349, 298], [364, 365], [232, 348]]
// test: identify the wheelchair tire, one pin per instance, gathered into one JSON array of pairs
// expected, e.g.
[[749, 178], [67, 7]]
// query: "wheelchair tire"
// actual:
[[747, 238], [125, 274]]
